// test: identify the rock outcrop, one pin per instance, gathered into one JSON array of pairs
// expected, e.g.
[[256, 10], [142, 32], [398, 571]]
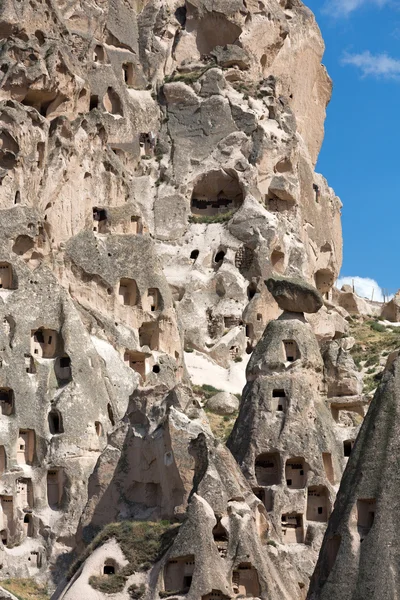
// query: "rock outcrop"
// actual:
[[359, 555], [156, 167], [292, 458]]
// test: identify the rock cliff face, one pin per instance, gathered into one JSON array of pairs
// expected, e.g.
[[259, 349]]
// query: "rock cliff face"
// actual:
[[359, 556], [156, 167]]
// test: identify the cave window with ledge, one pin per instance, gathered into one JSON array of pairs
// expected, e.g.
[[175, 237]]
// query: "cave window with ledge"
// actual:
[[3, 460], [28, 525], [147, 144], [366, 509], [220, 536], [245, 580], [55, 487], [267, 469], [136, 225], [99, 55], [152, 301], [278, 261], [109, 567], [149, 335], [7, 401], [128, 73], [62, 369], [219, 257], [348, 447], [112, 103], [318, 504], [317, 192], [280, 401], [216, 193], [137, 362], [25, 493], [4, 536], [44, 343], [98, 428], [296, 473], [6, 276], [55, 422], [7, 504], [292, 528], [128, 292], [291, 351], [178, 574], [25, 446], [251, 290], [94, 102], [99, 220], [30, 366]]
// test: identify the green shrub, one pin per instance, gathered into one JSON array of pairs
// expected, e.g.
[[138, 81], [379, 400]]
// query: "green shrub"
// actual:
[[136, 592], [210, 388], [142, 542], [378, 327], [272, 543], [370, 371], [238, 359], [372, 360], [108, 584]]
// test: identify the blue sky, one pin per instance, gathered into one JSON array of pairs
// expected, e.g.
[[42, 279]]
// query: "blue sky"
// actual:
[[360, 155]]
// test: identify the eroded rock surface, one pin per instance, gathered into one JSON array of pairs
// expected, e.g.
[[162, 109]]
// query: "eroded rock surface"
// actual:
[[156, 167]]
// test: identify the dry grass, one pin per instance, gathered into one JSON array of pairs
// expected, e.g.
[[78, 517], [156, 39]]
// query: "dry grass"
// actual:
[[373, 342], [221, 426], [25, 589]]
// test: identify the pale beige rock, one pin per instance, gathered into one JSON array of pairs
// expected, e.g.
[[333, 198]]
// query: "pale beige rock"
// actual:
[[156, 167], [223, 404]]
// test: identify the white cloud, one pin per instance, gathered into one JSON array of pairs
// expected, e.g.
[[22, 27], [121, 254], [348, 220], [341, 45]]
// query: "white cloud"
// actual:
[[378, 65], [364, 287], [343, 8]]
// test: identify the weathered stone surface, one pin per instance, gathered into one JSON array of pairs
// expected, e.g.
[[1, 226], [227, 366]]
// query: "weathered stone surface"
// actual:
[[342, 376], [157, 166], [223, 404], [391, 310], [294, 295], [359, 555], [293, 454]]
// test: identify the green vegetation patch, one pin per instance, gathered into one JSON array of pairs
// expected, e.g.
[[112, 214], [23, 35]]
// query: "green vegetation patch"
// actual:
[[373, 341], [205, 391], [142, 542], [108, 584], [221, 426], [25, 589], [136, 592]]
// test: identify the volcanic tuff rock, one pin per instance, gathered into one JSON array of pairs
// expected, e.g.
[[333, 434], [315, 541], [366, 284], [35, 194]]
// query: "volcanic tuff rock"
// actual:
[[223, 403], [294, 295], [360, 553], [156, 167]]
